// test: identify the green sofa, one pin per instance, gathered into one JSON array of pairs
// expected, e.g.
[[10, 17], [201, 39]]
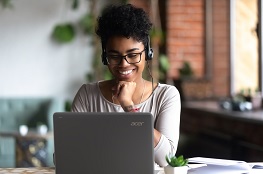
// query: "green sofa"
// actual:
[[28, 111]]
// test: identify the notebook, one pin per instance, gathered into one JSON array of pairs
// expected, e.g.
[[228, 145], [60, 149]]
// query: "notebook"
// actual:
[[98, 143]]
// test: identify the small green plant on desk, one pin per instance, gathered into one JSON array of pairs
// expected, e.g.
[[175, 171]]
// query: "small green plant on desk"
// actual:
[[176, 165]]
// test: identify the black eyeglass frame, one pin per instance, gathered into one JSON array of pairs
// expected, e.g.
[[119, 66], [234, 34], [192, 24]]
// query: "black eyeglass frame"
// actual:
[[120, 57]]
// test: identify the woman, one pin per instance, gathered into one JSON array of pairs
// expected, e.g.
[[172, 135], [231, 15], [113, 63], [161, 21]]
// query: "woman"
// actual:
[[124, 33]]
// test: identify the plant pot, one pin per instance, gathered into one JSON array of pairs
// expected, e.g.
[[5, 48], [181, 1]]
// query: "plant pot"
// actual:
[[175, 170]]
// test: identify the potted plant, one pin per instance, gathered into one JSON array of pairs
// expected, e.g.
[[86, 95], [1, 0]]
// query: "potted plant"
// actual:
[[185, 77], [176, 165], [186, 72]]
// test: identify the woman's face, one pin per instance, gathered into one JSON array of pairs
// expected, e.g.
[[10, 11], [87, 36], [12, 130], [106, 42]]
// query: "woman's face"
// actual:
[[116, 49]]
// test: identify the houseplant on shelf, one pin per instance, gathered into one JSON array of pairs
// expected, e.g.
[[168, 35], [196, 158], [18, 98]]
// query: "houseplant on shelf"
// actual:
[[176, 165]]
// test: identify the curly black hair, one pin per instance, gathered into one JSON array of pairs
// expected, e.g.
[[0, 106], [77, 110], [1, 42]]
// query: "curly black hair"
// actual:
[[124, 20]]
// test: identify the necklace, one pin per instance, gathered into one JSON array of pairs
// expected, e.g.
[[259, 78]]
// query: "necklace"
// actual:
[[143, 90], [113, 97]]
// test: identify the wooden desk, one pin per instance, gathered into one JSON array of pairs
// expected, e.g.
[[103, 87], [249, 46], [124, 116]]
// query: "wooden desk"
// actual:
[[27, 170], [52, 171], [242, 132], [41, 170]]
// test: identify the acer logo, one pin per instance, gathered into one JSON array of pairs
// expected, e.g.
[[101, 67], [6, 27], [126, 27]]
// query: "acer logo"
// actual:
[[136, 123]]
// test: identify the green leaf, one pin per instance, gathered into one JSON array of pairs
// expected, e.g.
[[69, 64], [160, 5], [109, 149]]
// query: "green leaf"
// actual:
[[63, 33], [164, 63], [6, 3], [186, 70], [87, 23], [75, 4], [176, 161]]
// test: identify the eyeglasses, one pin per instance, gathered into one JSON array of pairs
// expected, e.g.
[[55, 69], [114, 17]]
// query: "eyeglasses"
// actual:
[[131, 58]]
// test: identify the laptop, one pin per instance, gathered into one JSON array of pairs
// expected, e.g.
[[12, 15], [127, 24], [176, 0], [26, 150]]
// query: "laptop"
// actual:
[[103, 143]]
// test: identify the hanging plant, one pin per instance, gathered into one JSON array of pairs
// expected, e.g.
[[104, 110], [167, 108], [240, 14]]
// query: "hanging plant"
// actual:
[[157, 36], [164, 63], [163, 67], [63, 33], [87, 23], [6, 3], [75, 4]]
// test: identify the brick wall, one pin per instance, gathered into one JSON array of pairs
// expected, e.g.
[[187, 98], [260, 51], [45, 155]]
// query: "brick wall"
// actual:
[[185, 40], [185, 35]]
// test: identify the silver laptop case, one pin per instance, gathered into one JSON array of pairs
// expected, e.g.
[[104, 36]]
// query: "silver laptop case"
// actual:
[[103, 143]]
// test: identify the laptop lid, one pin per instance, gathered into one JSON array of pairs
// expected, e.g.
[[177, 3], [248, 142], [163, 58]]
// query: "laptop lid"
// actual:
[[98, 143]]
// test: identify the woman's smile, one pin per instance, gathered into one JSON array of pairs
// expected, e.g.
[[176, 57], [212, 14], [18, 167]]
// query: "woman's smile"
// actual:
[[125, 72]]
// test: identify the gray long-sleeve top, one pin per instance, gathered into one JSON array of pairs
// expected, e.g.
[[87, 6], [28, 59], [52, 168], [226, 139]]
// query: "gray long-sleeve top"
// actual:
[[164, 104]]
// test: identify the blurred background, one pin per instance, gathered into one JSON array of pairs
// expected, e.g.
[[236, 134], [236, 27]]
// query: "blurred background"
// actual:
[[211, 50]]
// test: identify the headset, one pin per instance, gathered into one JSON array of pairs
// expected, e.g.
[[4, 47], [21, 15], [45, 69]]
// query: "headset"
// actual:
[[148, 51]]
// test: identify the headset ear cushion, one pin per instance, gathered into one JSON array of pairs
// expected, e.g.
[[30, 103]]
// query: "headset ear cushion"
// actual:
[[149, 50], [150, 54]]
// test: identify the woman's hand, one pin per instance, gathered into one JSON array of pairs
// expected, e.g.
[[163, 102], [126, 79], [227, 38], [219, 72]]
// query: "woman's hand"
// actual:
[[123, 92]]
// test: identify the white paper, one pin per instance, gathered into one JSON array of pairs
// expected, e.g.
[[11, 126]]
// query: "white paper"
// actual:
[[256, 165], [215, 161], [194, 166], [219, 166]]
